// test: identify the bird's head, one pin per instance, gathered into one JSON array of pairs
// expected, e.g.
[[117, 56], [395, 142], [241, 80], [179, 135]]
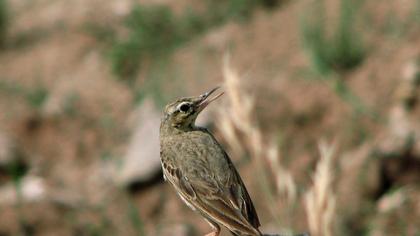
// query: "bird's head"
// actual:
[[183, 112]]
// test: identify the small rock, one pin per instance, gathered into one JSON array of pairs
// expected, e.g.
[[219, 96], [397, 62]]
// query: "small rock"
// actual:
[[391, 201], [32, 189]]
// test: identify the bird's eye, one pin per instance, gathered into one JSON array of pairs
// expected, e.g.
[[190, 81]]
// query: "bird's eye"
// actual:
[[184, 107]]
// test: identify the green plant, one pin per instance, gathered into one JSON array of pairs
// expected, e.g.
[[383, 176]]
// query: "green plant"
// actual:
[[34, 97], [3, 22], [345, 93], [343, 49], [135, 219], [17, 170], [154, 31], [37, 96]]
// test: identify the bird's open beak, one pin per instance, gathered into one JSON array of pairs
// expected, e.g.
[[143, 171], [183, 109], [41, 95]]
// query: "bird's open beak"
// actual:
[[205, 99]]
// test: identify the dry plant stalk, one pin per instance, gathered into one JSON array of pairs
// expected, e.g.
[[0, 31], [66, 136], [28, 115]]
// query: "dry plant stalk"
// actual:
[[320, 199], [241, 131], [284, 180]]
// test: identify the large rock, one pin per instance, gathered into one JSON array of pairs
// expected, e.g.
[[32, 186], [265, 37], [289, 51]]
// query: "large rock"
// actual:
[[141, 163]]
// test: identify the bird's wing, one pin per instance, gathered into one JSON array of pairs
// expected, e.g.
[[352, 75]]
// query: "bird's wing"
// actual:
[[221, 195], [240, 192], [231, 204]]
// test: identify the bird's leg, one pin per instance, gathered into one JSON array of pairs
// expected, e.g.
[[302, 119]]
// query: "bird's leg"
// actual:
[[215, 226]]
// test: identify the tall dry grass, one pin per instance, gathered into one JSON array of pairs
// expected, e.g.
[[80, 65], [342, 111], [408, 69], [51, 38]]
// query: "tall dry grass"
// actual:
[[240, 129], [320, 199]]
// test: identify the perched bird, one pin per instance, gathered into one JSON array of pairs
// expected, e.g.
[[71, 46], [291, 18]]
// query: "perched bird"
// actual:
[[201, 172]]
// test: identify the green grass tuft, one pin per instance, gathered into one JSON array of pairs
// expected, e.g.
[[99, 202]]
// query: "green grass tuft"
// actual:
[[154, 31], [37, 96], [340, 51], [34, 97]]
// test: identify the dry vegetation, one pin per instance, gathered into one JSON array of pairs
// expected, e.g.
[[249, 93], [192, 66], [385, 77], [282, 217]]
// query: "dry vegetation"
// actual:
[[241, 131], [80, 81], [320, 199]]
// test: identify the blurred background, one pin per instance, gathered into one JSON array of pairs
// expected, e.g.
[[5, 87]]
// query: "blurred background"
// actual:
[[321, 114]]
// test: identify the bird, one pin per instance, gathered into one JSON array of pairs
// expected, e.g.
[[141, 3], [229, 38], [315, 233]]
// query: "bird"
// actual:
[[200, 170]]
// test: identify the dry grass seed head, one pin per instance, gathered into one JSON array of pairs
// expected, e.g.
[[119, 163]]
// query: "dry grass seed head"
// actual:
[[320, 200]]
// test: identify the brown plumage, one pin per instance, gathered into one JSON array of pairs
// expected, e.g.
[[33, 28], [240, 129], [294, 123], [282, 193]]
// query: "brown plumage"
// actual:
[[201, 172]]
